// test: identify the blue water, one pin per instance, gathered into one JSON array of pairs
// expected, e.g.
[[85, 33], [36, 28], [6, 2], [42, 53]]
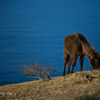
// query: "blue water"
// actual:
[[35, 30]]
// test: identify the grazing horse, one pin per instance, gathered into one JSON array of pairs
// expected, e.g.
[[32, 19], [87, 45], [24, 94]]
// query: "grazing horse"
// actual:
[[77, 45]]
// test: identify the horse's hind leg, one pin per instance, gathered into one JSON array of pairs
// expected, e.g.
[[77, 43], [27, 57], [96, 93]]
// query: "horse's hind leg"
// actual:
[[81, 62], [66, 59], [69, 64], [74, 62]]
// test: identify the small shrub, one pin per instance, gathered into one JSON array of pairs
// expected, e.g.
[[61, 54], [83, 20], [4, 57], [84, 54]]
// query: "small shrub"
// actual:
[[38, 71]]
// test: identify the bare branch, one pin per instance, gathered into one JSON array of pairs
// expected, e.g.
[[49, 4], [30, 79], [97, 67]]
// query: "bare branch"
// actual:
[[38, 71]]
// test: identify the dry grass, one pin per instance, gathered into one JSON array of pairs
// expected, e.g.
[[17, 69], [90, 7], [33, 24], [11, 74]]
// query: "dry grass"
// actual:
[[71, 87]]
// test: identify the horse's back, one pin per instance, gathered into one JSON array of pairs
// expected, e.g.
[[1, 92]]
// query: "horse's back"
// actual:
[[70, 39], [72, 45]]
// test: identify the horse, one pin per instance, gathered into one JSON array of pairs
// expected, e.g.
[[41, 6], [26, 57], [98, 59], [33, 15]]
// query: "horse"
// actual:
[[76, 45]]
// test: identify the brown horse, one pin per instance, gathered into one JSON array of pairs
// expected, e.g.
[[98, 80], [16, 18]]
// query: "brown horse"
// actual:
[[77, 45]]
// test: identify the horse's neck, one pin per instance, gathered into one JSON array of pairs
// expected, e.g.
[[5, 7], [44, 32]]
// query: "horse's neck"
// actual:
[[90, 52], [89, 55]]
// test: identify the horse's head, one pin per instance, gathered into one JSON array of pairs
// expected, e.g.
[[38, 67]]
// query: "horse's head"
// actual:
[[95, 63]]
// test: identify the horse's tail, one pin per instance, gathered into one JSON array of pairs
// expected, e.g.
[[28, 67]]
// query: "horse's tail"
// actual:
[[85, 44]]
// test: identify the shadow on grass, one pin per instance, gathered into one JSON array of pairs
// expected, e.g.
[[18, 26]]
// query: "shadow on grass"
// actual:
[[95, 96]]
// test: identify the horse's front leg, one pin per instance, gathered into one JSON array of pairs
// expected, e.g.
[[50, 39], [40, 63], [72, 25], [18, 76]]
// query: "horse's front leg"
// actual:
[[64, 70], [66, 59], [81, 62]]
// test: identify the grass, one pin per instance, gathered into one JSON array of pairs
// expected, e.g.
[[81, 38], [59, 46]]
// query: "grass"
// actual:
[[70, 87]]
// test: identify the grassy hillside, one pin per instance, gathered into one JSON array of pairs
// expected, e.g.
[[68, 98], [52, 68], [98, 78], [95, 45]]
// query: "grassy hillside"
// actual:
[[75, 86]]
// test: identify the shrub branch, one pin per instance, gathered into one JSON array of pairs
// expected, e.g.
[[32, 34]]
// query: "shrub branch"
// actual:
[[38, 71]]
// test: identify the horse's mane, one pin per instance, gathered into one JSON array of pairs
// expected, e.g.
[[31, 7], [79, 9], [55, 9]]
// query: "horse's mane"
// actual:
[[87, 48]]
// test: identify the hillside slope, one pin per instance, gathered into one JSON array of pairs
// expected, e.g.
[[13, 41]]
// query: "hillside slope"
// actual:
[[77, 86]]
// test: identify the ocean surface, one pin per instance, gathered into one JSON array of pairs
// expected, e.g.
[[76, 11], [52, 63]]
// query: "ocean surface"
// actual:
[[34, 30]]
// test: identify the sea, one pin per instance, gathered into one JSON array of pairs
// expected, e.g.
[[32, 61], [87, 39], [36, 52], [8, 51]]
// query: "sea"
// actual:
[[34, 30]]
